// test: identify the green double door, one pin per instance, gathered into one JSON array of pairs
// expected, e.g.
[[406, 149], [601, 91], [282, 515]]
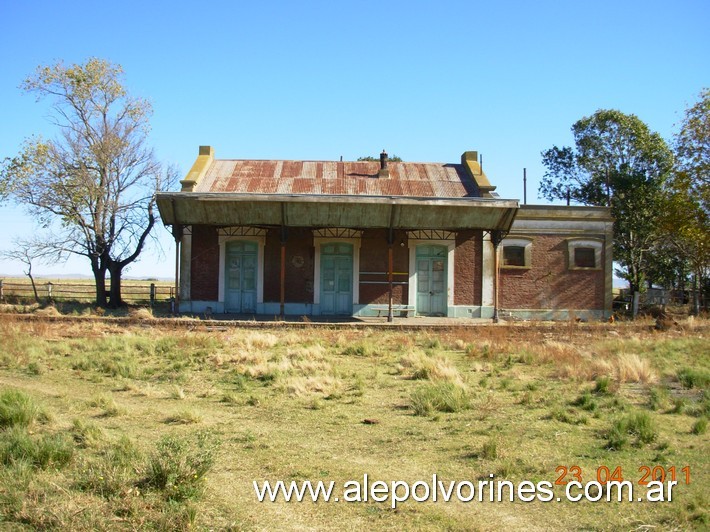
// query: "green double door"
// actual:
[[241, 273], [336, 271], [431, 280]]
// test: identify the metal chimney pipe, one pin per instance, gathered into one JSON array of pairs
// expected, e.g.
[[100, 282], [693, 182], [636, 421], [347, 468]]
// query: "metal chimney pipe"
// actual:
[[383, 160]]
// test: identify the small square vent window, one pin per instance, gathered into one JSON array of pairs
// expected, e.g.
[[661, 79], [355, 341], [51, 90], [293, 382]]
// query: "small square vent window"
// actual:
[[513, 256], [584, 258]]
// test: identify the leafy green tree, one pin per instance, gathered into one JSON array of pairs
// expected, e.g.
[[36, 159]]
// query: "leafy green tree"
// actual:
[[687, 212], [95, 182], [616, 162], [392, 159]]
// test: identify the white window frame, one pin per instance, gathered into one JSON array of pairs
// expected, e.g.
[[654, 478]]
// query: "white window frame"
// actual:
[[521, 242], [596, 244], [320, 241]]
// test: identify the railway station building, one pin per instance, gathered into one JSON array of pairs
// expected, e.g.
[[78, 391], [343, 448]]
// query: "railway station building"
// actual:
[[380, 238]]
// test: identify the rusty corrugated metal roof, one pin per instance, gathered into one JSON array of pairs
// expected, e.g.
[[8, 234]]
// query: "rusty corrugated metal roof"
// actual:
[[428, 180]]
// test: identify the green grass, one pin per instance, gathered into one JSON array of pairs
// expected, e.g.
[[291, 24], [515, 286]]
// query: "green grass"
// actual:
[[327, 404], [439, 397], [694, 378], [17, 409], [178, 466], [17, 445], [637, 428]]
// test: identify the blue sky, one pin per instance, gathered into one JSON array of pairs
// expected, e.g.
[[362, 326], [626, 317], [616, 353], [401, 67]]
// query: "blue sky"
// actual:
[[319, 80]]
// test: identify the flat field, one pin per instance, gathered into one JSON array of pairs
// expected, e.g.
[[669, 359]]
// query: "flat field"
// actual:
[[148, 425]]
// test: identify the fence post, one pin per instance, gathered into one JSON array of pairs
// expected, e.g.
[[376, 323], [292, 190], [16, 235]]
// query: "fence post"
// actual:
[[49, 290], [152, 294], [2, 291]]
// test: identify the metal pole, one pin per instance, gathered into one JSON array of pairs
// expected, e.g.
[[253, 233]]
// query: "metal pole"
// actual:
[[525, 186], [283, 274], [390, 253]]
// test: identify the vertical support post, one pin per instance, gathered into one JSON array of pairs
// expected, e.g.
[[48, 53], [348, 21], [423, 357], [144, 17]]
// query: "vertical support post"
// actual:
[[390, 266], [282, 277], [2, 291], [496, 238], [177, 234], [152, 294]]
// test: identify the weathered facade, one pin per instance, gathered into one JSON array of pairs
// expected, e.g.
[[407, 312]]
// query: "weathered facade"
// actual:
[[380, 238]]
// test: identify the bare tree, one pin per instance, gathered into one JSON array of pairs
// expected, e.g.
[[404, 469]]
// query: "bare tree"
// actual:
[[98, 177], [28, 252]]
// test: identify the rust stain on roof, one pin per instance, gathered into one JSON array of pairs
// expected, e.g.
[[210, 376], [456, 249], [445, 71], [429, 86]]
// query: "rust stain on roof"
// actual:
[[332, 177]]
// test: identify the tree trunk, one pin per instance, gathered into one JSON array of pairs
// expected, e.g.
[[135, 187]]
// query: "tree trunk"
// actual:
[[32, 280], [100, 281], [696, 296], [115, 300]]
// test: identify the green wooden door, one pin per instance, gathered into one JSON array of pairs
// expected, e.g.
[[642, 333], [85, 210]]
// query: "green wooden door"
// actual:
[[240, 271], [336, 271], [431, 280]]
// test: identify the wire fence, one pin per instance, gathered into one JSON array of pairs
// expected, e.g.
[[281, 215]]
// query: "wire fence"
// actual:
[[84, 292]]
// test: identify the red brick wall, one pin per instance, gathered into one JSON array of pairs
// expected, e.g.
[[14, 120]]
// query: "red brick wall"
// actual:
[[374, 258], [204, 264], [549, 283], [467, 268], [299, 266]]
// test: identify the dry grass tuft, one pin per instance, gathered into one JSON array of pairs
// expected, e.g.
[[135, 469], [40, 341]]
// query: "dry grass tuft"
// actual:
[[623, 367], [142, 313], [419, 365], [184, 417], [632, 368], [326, 385], [48, 312], [254, 340], [177, 393]]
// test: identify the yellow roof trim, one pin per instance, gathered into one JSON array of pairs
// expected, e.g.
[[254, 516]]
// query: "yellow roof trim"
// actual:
[[469, 160], [199, 169]]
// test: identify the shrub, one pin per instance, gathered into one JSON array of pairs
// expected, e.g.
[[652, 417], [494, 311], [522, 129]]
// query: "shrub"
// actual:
[[586, 402], [439, 397], [601, 385], [86, 434], [658, 398], [694, 378], [17, 409], [639, 425], [358, 350], [489, 450], [178, 466], [111, 474], [700, 426]]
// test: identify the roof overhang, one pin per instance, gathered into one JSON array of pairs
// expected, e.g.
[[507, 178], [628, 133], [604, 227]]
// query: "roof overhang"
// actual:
[[293, 210]]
